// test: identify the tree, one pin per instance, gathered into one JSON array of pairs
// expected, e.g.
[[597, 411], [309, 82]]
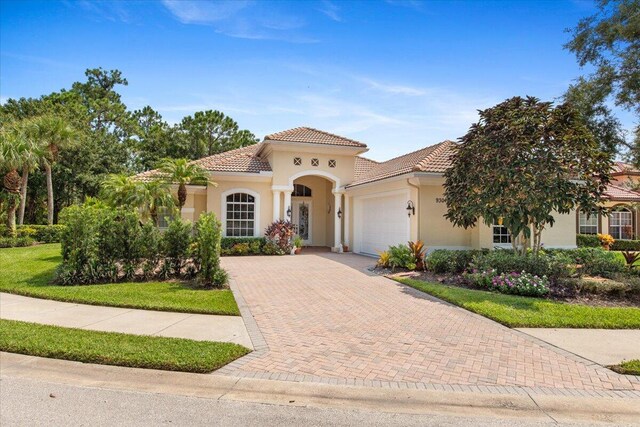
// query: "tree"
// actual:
[[522, 162], [610, 42], [119, 190], [32, 157], [211, 132], [52, 133], [14, 148], [182, 172]]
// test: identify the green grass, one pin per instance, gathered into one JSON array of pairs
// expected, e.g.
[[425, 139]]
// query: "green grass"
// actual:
[[109, 348], [29, 271], [524, 312], [631, 367]]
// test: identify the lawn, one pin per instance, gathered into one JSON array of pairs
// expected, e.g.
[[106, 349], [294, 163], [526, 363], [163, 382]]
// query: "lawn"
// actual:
[[521, 312], [29, 271], [631, 367], [109, 348]]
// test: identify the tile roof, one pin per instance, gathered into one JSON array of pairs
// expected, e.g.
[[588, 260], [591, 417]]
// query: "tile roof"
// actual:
[[312, 136], [435, 158], [238, 160], [617, 193], [621, 168], [362, 166]]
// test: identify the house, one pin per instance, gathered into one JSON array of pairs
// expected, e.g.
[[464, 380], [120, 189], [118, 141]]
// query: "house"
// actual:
[[334, 195]]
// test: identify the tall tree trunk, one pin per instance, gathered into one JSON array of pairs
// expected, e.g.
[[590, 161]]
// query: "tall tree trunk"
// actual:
[[23, 194], [182, 197], [47, 168], [11, 219]]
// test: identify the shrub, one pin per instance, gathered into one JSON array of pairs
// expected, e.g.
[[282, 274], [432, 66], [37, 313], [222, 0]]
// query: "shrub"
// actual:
[[587, 241], [240, 249], [553, 265], [631, 258], [229, 242], [207, 241], [400, 256], [450, 261], [523, 283], [383, 259], [40, 233], [626, 245], [606, 240], [175, 244], [9, 242], [280, 233], [271, 248], [596, 261], [417, 251]]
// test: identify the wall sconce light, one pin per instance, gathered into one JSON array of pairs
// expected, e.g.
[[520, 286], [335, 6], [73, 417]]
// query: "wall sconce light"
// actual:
[[411, 209], [339, 212], [289, 212]]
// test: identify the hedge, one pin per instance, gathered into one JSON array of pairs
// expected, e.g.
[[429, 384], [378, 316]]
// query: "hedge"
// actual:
[[230, 242], [39, 233], [626, 245], [587, 241]]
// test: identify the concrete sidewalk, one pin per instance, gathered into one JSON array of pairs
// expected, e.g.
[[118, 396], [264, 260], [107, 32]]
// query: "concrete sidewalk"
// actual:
[[200, 327], [603, 346]]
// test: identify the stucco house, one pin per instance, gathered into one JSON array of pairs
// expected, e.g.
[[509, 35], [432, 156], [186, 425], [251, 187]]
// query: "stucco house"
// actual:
[[324, 185]]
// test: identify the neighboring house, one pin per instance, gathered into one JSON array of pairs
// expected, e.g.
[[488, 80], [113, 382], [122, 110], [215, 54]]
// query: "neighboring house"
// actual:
[[335, 196], [622, 223]]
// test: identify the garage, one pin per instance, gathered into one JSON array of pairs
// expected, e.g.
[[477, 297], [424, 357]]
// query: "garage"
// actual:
[[380, 221]]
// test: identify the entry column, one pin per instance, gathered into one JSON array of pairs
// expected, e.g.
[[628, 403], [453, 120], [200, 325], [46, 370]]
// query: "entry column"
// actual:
[[337, 236], [276, 205], [287, 205]]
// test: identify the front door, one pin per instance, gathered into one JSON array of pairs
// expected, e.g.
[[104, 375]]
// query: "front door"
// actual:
[[302, 219]]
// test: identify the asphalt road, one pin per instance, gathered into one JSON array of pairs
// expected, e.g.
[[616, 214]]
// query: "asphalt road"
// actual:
[[28, 402]]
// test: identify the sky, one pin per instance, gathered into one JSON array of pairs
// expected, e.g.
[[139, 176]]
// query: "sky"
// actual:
[[397, 75]]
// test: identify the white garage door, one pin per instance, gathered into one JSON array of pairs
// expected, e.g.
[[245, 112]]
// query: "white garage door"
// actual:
[[381, 222]]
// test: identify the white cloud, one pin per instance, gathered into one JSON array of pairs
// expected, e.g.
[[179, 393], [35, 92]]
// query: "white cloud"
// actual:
[[393, 89], [240, 19], [331, 10]]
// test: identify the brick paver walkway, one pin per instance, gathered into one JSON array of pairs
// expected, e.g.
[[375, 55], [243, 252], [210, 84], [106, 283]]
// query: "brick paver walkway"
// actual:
[[323, 316]]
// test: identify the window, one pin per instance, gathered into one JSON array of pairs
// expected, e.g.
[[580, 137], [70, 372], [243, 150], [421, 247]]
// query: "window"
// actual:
[[297, 161], [332, 163], [315, 162], [240, 215], [621, 224], [501, 235], [164, 217], [300, 190], [588, 223]]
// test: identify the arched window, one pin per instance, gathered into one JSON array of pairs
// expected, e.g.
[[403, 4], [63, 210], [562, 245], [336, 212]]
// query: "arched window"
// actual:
[[300, 190], [588, 222], [240, 215], [621, 224]]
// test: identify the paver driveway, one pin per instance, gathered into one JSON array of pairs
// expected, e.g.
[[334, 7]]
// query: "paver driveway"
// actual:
[[323, 316]]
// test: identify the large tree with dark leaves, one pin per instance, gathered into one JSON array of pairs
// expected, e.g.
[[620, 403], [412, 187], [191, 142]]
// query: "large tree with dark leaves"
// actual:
[[524, 161], [609, 41]]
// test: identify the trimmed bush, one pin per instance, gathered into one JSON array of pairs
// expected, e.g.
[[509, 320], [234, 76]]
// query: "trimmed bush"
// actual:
[[553, 265], [207, 238], [9, 242], [243, 245], [596, 261], [40, 233], [626, 245], [587, 241], [450, 261]]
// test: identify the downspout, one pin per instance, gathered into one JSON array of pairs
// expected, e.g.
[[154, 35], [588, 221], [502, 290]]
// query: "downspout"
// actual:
[[417, 204]]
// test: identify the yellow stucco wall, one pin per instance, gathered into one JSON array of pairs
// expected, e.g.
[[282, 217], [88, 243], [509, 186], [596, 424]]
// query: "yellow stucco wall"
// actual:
[[284, 168], [435, 230]]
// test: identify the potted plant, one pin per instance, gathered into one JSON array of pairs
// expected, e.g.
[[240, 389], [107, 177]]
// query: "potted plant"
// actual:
[[297, 244], [345, 247]]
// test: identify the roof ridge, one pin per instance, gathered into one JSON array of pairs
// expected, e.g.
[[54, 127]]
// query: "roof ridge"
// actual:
[[317, 137], [410, 153], [623, 188], [437, 149], [224, 154], [332, 134]]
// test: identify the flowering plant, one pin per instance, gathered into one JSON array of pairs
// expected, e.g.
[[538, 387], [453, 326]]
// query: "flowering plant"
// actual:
[[606, 240], [525, 284]]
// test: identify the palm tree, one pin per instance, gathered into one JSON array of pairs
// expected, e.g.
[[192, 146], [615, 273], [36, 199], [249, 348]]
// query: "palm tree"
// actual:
[[13, 148], [183, 172], [153, 196], [33, 156], [120, 190], [53, 134]]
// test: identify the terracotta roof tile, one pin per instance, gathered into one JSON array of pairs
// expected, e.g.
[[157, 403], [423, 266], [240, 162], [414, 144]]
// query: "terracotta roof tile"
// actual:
[[362, 166], [312, 136], [617, 193], [621, 168], [435, 158], [238, 160]]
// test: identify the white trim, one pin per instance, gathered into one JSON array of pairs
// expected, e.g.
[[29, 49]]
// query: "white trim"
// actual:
[[316, 172], [401, 177], [256, 213], [282, 188]]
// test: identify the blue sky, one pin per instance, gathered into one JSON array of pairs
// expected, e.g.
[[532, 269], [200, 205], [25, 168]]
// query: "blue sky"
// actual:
[[397, 75]]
